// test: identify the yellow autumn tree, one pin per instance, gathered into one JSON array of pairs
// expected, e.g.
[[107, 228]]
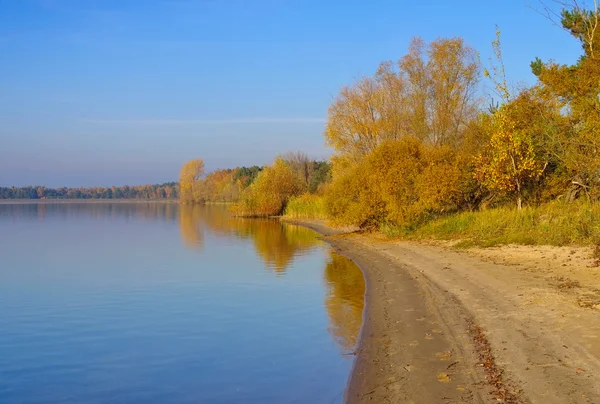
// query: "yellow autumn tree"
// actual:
[[396, 137], [428, 94], [509, 161], [269, 193], [402, 182], [189, 174]]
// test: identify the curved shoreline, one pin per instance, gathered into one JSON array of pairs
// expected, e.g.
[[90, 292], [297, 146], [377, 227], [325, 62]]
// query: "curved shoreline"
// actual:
[[440, 325], [407, 351]]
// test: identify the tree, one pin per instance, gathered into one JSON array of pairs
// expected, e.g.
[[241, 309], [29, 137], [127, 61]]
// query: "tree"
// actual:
[[509, 161], [320, 177], [402, 182], [191, 172], [300, 163], [443, 79], [269, 193], [41, 192], [580, 22], [576, 88], [354, 122], [428, 94]]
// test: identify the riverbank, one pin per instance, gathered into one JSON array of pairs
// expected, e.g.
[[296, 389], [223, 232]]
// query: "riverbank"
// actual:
[[513, 324]]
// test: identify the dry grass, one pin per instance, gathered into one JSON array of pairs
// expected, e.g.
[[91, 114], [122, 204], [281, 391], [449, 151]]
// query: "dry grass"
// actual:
[[555, 223], [306, 206]]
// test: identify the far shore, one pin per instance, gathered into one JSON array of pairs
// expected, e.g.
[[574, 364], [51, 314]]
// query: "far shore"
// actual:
[[33, 201], [510, 324]]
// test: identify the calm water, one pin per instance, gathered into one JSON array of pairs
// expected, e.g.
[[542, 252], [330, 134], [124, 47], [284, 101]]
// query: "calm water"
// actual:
[[156, 303]]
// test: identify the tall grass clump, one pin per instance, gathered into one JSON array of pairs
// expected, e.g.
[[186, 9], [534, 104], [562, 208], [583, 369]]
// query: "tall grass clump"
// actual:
[[555, 223], [306, 206]]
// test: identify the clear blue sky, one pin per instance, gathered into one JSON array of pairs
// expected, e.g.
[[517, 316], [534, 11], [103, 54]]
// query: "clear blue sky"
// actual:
[[112, 92]]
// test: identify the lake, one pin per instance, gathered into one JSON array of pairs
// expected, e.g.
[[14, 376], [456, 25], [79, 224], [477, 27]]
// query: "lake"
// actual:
[[161, 303]]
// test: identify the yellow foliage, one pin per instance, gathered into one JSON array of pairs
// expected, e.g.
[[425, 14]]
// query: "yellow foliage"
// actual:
[[428, 94], [510, 160], [401, 182], [218, 186], [271, 191], [190, 173]]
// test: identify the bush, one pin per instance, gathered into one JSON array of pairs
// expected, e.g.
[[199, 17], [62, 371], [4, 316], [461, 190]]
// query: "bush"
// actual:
[[402, 183], [270, 192]]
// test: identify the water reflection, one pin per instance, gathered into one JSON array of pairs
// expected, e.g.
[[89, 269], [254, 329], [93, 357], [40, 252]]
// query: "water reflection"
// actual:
[[113, 302], [101, 210], [190, 224], [345, 300], [275, 242], [278, 244]]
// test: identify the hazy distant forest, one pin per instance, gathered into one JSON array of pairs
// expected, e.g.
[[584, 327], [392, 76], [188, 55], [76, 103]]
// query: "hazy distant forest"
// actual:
[[417, 141], [169, 190]]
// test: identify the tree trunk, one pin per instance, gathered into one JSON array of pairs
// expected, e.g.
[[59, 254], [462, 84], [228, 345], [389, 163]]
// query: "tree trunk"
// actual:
[[519, 195]]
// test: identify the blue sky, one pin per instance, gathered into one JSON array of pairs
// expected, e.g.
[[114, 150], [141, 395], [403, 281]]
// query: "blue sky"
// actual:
[[112, 92]]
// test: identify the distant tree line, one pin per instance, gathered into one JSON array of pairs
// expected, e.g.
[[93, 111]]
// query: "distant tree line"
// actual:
[[168, 190]]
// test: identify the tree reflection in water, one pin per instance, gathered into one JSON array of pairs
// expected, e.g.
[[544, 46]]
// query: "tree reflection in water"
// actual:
[[345, 300], [190, 224], [278, 244]]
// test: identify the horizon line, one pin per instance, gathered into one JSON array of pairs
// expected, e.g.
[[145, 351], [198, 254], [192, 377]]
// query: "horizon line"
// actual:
[[251, 120]]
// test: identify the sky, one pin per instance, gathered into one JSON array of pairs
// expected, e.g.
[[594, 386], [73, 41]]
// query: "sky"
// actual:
[[114, 92]]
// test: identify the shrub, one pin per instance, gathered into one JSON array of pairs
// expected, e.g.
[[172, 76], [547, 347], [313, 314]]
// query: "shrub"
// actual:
[[402, 182], [270, 192]]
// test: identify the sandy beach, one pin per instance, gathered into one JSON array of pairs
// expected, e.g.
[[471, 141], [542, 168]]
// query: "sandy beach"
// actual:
[[512, 324]]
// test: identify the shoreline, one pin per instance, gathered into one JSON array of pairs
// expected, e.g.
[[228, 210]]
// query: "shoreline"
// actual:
[[99, 200], [512, 324], [410, 365]]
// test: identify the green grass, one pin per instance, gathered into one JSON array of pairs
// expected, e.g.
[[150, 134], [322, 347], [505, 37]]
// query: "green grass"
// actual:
[[306, 206], [554, 223]]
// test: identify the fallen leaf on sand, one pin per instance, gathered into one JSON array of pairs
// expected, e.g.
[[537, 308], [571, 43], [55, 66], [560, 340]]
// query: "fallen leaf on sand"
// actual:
[[444, 355], [443, 378]]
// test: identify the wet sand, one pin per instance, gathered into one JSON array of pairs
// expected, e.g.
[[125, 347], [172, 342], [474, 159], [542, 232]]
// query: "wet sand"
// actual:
[[513, 324]]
